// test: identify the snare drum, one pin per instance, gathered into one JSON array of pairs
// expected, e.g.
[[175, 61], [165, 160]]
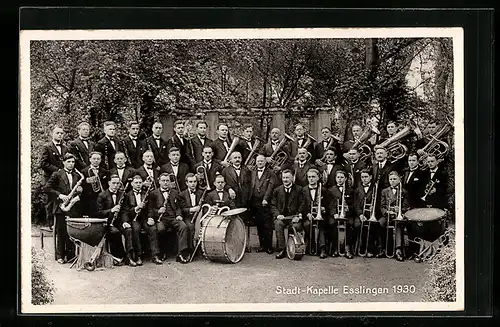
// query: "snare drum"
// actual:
[[87, 230], [223, 238], [426, 223]]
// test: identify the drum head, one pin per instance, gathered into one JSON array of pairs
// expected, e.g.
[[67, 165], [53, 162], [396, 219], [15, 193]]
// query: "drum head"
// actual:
[[290, 248], [236, 239], [87, 220], [424, 214], [233, 212]]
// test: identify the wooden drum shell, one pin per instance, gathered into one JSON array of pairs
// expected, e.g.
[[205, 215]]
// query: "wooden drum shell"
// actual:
[[223, 238]]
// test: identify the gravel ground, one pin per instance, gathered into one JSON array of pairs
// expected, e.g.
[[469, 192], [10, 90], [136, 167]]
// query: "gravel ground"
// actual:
[[257, 278]]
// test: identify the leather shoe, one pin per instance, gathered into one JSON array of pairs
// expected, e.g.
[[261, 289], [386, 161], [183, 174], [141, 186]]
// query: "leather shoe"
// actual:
[[131, 262], [157, 260], [118, 263], [164, 257], [180, 258], [399, 255], [261, 249], [381, 254], [281, 254], [335, 254], [270, 251], [139, 261], [323, 254], [369, 255], [60, 261], [349, 255]]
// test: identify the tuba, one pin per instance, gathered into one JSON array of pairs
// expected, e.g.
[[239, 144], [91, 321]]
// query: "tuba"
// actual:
[[435, 146], [279, 157], [395, 149], [364, 150], [313, 227], [72, 199], [250, 161], [234, 143]]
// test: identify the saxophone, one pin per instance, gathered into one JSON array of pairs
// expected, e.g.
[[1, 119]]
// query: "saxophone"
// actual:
[[72, 199]]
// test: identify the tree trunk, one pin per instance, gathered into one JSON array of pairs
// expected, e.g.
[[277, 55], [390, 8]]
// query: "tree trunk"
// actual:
[[442, 72]]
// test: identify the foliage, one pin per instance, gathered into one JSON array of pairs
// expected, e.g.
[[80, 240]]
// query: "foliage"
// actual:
[[42, 289]]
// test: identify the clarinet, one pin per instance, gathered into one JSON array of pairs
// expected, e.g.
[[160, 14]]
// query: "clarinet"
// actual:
[[115, 216], [106, 163]]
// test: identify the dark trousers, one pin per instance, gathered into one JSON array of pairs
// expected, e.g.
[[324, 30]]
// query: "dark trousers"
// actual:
[[132, 237], [264, 223], [182, 232], [49, 213], [65, 249], [333, 233], [398, 233], [114, 238], [372, 238], [320, 230], [279, 227]]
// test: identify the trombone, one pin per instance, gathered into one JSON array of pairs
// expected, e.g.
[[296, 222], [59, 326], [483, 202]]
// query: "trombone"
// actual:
[[366, 224], [314, 225], [390, 238], [342, 226]]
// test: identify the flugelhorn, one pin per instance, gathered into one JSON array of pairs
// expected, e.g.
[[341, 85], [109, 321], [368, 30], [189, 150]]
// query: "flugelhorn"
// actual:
[[173, 179], [201, 170], [95, 181], [395, 149], [234, 143], [279, 157], [360, 144], [435, 146]]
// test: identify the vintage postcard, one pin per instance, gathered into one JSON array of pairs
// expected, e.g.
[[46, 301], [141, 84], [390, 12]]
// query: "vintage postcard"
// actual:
[[242, 170]]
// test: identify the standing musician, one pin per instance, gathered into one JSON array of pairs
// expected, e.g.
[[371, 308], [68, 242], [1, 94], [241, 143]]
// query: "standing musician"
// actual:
[[165, 211], [413, 178], [108, 206], [50, 162], [148, 171], [434, 185], [389, 206], [124, 172], [300, 142], [285, 202], [178, 141], [336, 191], [431, 130], [262, 183], [391, 129], [82, 146], [301, 167], [157, 145], [222, 144], [200, 141], [310, 199], [108, 145], [190, 202], [174, 166], [134, 217], [133, 147], [381, 167], [353, 166], [237, 177], [363, 194], [220, 193], [212, 167], [356, 134], [96, 179], [59, 186], [329, 142], [269, 148], [247, 142], [329, 168]]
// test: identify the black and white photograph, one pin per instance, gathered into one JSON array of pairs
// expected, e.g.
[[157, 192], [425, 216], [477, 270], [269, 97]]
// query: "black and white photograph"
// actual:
[[242, 170]]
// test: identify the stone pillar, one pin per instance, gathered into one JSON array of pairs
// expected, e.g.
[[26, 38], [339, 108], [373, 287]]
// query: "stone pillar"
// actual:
[[212, 119], [322, 118], [278, 120], [168, 125]]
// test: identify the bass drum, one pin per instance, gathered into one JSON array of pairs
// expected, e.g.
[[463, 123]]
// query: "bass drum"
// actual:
[[223, 238], [427, 223], [87, 230], [295, 247]]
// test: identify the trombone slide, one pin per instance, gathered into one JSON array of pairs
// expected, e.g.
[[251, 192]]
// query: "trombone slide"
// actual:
[[342, 236]]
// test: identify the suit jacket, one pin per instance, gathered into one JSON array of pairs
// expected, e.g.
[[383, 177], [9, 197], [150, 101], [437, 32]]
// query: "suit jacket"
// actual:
[[134, 153], [215, 169], [307, 200], [105, 204], [330, 180], [360, 196], [103, 177], [144, 174], [278, 205], [182, 171], [198, 147], [156, 201], [219, 148], [301, 173], [104, 146], [387, 199], [160, 153], [413, 185], [262, 189], [51, 160], [319, 149], [185, 148], [239, 184], [57, 184], [245, 149], [213, 196], [383, 174], [337, 200], [129, 205], [294, 146], [81, 153], [355, 170], [128, 174], [439, 198], [186, 203], [267, 151]]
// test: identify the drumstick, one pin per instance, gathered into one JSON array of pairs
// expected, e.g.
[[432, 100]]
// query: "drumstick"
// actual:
[[194, 251]]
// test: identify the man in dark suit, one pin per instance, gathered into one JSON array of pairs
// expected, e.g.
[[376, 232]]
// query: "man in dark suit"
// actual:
[[272, 146], [247, 143], [109, 206], [82, 146], [190, 204], [178, 141], [353, 167], [59, 187], [262, 183], [212, 167], [356, 134], [157, 145], [174, 166], [133, 147], [125, 172], [222, 144], [148, 171], [165, 211], [363, 195], [285, 202], [96, 179], [220, 195], [50, 162], [237, 177], [200, 141], [329, 142], [300, 142], [329, 169], [301, 167], [109, 145], [310, 199], [434, 185], [413, 178], [339, 189], [381, 167]]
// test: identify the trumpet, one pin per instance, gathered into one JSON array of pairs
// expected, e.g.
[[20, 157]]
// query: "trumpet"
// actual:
[[364, 150], [366, 224], [428, 189], [395, 149], [435, 146], [313, 226], [234, 143], [279, 157], [341, 225], [72, 199], [392, 224], [250, 161], [95, 182], [202, 171]]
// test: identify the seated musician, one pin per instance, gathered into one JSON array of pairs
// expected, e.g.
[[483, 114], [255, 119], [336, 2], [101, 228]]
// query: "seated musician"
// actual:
[[339, 189], [96, 179], [272, 147], [237, 177], [148, 171], [220, 194], [125, 172], [59, 187], [434, 186], [329, 168], [164, 211], [109, 206], [212, 167], [353, 166], [190, 204], [390, 208], [309, 201], [301, 167], [285, 204], [174, 166], [134, 217], [329, 142], [363, 195], [262, 183]]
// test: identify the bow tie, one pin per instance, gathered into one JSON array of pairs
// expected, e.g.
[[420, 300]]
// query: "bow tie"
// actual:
[[394, 188], [220, 192], [149, 167], [67, 171], [260, 170], [94, 168], [112, 193], [133, 138], [239, 168], [157, 138], [57, 144], [85, 140], [313, 188], [137, 192], [433, 171], [164, 191], [120, 167], [174, 165]]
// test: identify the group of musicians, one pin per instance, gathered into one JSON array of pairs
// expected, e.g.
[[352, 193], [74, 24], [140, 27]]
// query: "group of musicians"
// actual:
[[155, 185]]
